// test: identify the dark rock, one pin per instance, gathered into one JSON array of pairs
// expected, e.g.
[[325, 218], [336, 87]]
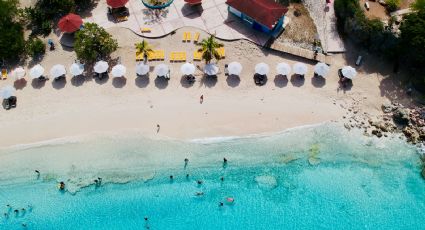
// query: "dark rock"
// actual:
[[377, 133], [387, 107], [401, 116]]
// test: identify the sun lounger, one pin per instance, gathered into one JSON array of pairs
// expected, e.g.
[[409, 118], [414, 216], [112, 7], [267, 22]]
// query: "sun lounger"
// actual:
[[145, 30], [3, 74], [177, 56], [139, 57], [222, 52], [197, 56], [186, 36], [196, 37]]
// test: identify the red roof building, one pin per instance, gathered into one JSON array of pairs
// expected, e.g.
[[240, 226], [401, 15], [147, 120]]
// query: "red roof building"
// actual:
[[264, 12]]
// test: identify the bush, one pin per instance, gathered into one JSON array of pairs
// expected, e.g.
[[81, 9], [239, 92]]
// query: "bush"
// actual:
[[392, 5], [35, 47], [94, 42], [12, 43]]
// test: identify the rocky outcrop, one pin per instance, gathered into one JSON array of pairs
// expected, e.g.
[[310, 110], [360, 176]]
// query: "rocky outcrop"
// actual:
[[401, 116]]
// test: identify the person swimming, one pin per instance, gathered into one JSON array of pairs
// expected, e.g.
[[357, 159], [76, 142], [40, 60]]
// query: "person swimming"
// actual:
[[222, 178], [61, 186], [171, 177], [220, 204], [199, 182], [199, 193], [6, 215], [187, 176]]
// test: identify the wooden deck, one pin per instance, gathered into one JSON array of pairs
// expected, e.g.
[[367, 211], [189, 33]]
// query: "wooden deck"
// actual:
[[308, 54]]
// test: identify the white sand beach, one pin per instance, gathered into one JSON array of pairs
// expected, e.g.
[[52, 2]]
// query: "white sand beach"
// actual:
[[231, 106]]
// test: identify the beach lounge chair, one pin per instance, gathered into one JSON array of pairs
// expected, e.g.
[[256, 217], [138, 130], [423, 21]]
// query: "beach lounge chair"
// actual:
[[197, 56], [196, 37], [222, 52], [145, 30], [6, 104], [3, 74]]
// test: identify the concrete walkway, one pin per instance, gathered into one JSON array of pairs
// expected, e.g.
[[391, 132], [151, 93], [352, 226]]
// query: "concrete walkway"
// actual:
[[212, 17]]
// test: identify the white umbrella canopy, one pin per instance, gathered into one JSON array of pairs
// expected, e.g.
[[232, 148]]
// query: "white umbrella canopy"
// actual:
[[234, 68], [76, 69], [118, 71], [349, 72], [36, 71], [142, 68], [321, 69], [7, 91], [283, 69], [262, 68], [187, 69], [300, 68], [211, 69], [57, 71], [161, 70], [101, 67], [19, 73]]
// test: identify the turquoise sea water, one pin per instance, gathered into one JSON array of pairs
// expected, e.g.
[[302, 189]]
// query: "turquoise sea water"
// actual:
[[311, 178]]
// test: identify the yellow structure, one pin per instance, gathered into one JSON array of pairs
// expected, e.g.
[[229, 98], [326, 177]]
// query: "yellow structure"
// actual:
[[145, 30], [186, 36], [3, 74], [222, 52], [197, 56], [177, 56], [196, 37], [152, 56]]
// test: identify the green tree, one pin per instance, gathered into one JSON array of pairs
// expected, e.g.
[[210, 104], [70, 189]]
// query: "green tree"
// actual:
[[208, 48], [419, 5], [12, 41], [413, 37], [143, 48], [93, 42], [35, 47], [392, 5]]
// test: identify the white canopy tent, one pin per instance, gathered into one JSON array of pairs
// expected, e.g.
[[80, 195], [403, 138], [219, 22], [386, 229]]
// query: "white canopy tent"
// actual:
[[76, 69], [187, 69], [142, 68], [300, 68], [234, 68], [18, 73], [162, 70], [283, 69], [349, 72], [211, 69], [36, 71], [262, 68], [321, 69], [118, 71], [101, 67], [57, 71], [7, 92]]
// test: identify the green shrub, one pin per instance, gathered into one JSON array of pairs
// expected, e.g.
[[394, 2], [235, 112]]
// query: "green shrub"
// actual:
[[392, 5], [12, 43], [35, 47]]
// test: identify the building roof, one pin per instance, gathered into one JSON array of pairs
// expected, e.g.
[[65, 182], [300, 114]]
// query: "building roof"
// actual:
[[266, 12]]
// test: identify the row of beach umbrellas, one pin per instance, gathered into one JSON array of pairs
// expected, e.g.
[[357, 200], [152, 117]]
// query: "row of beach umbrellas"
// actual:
[[233, 68]]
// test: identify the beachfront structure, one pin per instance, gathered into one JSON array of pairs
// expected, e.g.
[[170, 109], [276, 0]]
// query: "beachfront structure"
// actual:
[[263, 15]]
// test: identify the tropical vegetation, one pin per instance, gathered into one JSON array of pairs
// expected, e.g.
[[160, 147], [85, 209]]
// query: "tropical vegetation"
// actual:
[[143, 48], [94, 42], [208, 48], [12, 42], [35, 47]]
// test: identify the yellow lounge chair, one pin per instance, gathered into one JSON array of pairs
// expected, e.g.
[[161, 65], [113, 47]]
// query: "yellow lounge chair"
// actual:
[[184, 36], [3, 74], [145, 30], [197, 56], [188, 36], [222, 52], [196, 37], [139, 57]]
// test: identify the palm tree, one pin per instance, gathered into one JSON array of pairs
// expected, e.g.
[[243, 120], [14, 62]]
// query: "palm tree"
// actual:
[[143, 48], [209, 49]]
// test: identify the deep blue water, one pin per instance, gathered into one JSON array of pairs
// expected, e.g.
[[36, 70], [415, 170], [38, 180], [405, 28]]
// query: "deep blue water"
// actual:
[[313, 178]]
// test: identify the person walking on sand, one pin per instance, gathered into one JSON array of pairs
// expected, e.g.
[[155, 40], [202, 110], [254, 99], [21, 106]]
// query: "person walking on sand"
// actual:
[[158, 127], [201, 99]]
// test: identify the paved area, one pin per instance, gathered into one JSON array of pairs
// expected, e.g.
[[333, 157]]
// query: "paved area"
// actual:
[[212, 17], [325, 20]]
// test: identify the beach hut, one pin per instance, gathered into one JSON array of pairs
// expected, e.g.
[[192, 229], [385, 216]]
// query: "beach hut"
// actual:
[[37, 71], [76, 69], [283, 69], [18, 73], [211, 69], [349, 72], [70, 23], [263, 15], [262, 68], [142, 68], [118, 71], [234, 68], [57, 71], [300, 68], [321, 69], [187, 69], [101, 67], [162, 70]]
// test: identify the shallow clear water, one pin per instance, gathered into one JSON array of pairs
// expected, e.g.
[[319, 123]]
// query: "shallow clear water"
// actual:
[[312, 178]]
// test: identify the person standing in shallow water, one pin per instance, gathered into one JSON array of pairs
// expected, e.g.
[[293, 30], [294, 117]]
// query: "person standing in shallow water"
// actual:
[[224, 162], [186, 161]]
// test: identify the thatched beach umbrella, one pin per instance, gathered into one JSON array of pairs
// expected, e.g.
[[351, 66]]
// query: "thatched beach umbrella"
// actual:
[[262, 68], [18, 73], [162, 70], [300, 68], [7, 92], [101, 67], [36, 71], [321, 69], [283, 69], [57, 71], [234, 68], [76, 69], [142, 68], [211, 69], [118, 71], [349, 72], [187, 69]]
